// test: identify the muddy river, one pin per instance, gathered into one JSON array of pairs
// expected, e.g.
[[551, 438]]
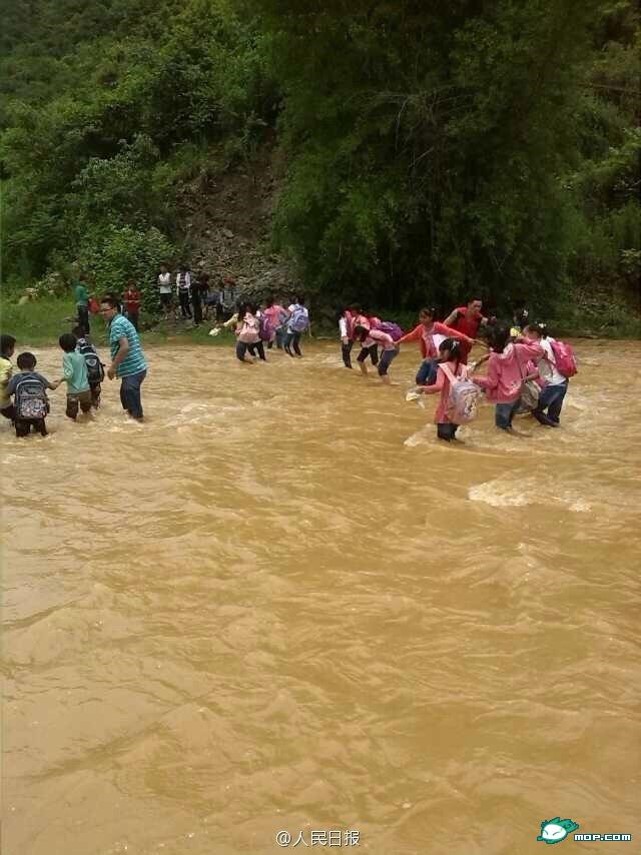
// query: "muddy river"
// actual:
[[281, 607]]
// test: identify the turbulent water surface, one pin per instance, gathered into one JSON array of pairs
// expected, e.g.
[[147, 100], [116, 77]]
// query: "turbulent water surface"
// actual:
[[282, 605]]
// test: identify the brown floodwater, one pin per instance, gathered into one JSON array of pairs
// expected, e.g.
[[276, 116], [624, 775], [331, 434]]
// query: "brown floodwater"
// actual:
[[281, 605]]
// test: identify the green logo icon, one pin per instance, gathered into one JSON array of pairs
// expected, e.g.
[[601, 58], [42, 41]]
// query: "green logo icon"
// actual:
[[557, 829]]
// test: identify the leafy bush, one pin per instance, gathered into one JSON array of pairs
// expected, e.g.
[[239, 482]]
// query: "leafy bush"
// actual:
[[115, 254]]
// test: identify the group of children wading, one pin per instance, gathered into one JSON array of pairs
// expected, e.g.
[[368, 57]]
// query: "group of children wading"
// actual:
[[272, 324], [23, 394], [527, 370]]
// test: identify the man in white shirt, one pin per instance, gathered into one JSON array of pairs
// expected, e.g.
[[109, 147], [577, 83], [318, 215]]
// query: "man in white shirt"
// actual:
[[164, 288]]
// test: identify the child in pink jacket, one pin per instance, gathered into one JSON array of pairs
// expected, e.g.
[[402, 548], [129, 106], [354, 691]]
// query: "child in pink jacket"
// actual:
[[506, 373], [372, 337], [450, 355]]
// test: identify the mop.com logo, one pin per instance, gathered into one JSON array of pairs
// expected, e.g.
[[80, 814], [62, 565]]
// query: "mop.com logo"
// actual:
[[557, 829]]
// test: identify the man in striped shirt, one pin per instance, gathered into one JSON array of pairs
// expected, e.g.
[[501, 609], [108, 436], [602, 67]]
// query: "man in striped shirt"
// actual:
[[127, 359]]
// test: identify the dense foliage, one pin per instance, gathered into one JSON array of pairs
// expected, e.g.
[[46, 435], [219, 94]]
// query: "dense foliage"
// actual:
[[432, 149]]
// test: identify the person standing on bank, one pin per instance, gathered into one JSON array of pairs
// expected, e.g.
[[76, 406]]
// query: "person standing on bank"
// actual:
[[183, 289], [127, 358], [81, 296], [199, 291], [164, 289], [131, 299]]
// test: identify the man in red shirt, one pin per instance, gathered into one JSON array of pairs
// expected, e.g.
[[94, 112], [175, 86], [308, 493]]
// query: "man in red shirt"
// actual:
[[467, 320], [131, 299]]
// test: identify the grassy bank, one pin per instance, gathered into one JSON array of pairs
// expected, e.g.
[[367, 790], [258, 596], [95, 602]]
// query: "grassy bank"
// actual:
[[42, 322]]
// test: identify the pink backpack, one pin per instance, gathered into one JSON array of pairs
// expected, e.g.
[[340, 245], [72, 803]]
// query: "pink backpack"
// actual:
[[564, 358], [463, 404]]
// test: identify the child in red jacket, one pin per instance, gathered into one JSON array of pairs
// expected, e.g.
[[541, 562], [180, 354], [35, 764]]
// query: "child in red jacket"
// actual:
[[430, 333], [131, 299]]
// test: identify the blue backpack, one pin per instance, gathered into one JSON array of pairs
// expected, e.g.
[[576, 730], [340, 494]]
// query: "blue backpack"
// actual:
[[299, 320]]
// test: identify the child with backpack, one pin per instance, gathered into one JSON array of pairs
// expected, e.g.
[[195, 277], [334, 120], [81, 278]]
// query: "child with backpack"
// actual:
[[555, 368], [31, 404], [506, 374], [369, 348], [276, 316], [297, 323], [7, 348], [459, 397], [247, 333], [74, 371], [95, 368], [378, 337]]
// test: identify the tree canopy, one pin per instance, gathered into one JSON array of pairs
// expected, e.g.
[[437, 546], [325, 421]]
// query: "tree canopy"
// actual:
[[441, 148]]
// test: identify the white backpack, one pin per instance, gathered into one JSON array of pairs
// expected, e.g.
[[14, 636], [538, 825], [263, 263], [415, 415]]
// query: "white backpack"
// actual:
[[463, 403]]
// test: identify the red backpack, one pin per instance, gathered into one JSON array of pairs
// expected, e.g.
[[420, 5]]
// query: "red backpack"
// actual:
[[564, 358]]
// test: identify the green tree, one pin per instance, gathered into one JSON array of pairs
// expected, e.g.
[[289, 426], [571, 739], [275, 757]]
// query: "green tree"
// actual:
[[425, 144]]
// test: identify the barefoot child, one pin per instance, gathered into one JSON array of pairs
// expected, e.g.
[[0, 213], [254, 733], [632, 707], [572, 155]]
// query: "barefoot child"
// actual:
[[74, 370]]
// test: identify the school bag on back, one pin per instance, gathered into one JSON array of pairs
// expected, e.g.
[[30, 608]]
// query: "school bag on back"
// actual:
[[95, 370], [391, 329], [31, 399], [299, 320], [463, 403], [564, 358], [265, 329]]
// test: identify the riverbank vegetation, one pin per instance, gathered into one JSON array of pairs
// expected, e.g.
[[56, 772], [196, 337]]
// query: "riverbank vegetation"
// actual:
[[419, 152]]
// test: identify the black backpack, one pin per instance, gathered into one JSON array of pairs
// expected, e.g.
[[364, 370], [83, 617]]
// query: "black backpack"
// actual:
[[95, 368], [31, 399]]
